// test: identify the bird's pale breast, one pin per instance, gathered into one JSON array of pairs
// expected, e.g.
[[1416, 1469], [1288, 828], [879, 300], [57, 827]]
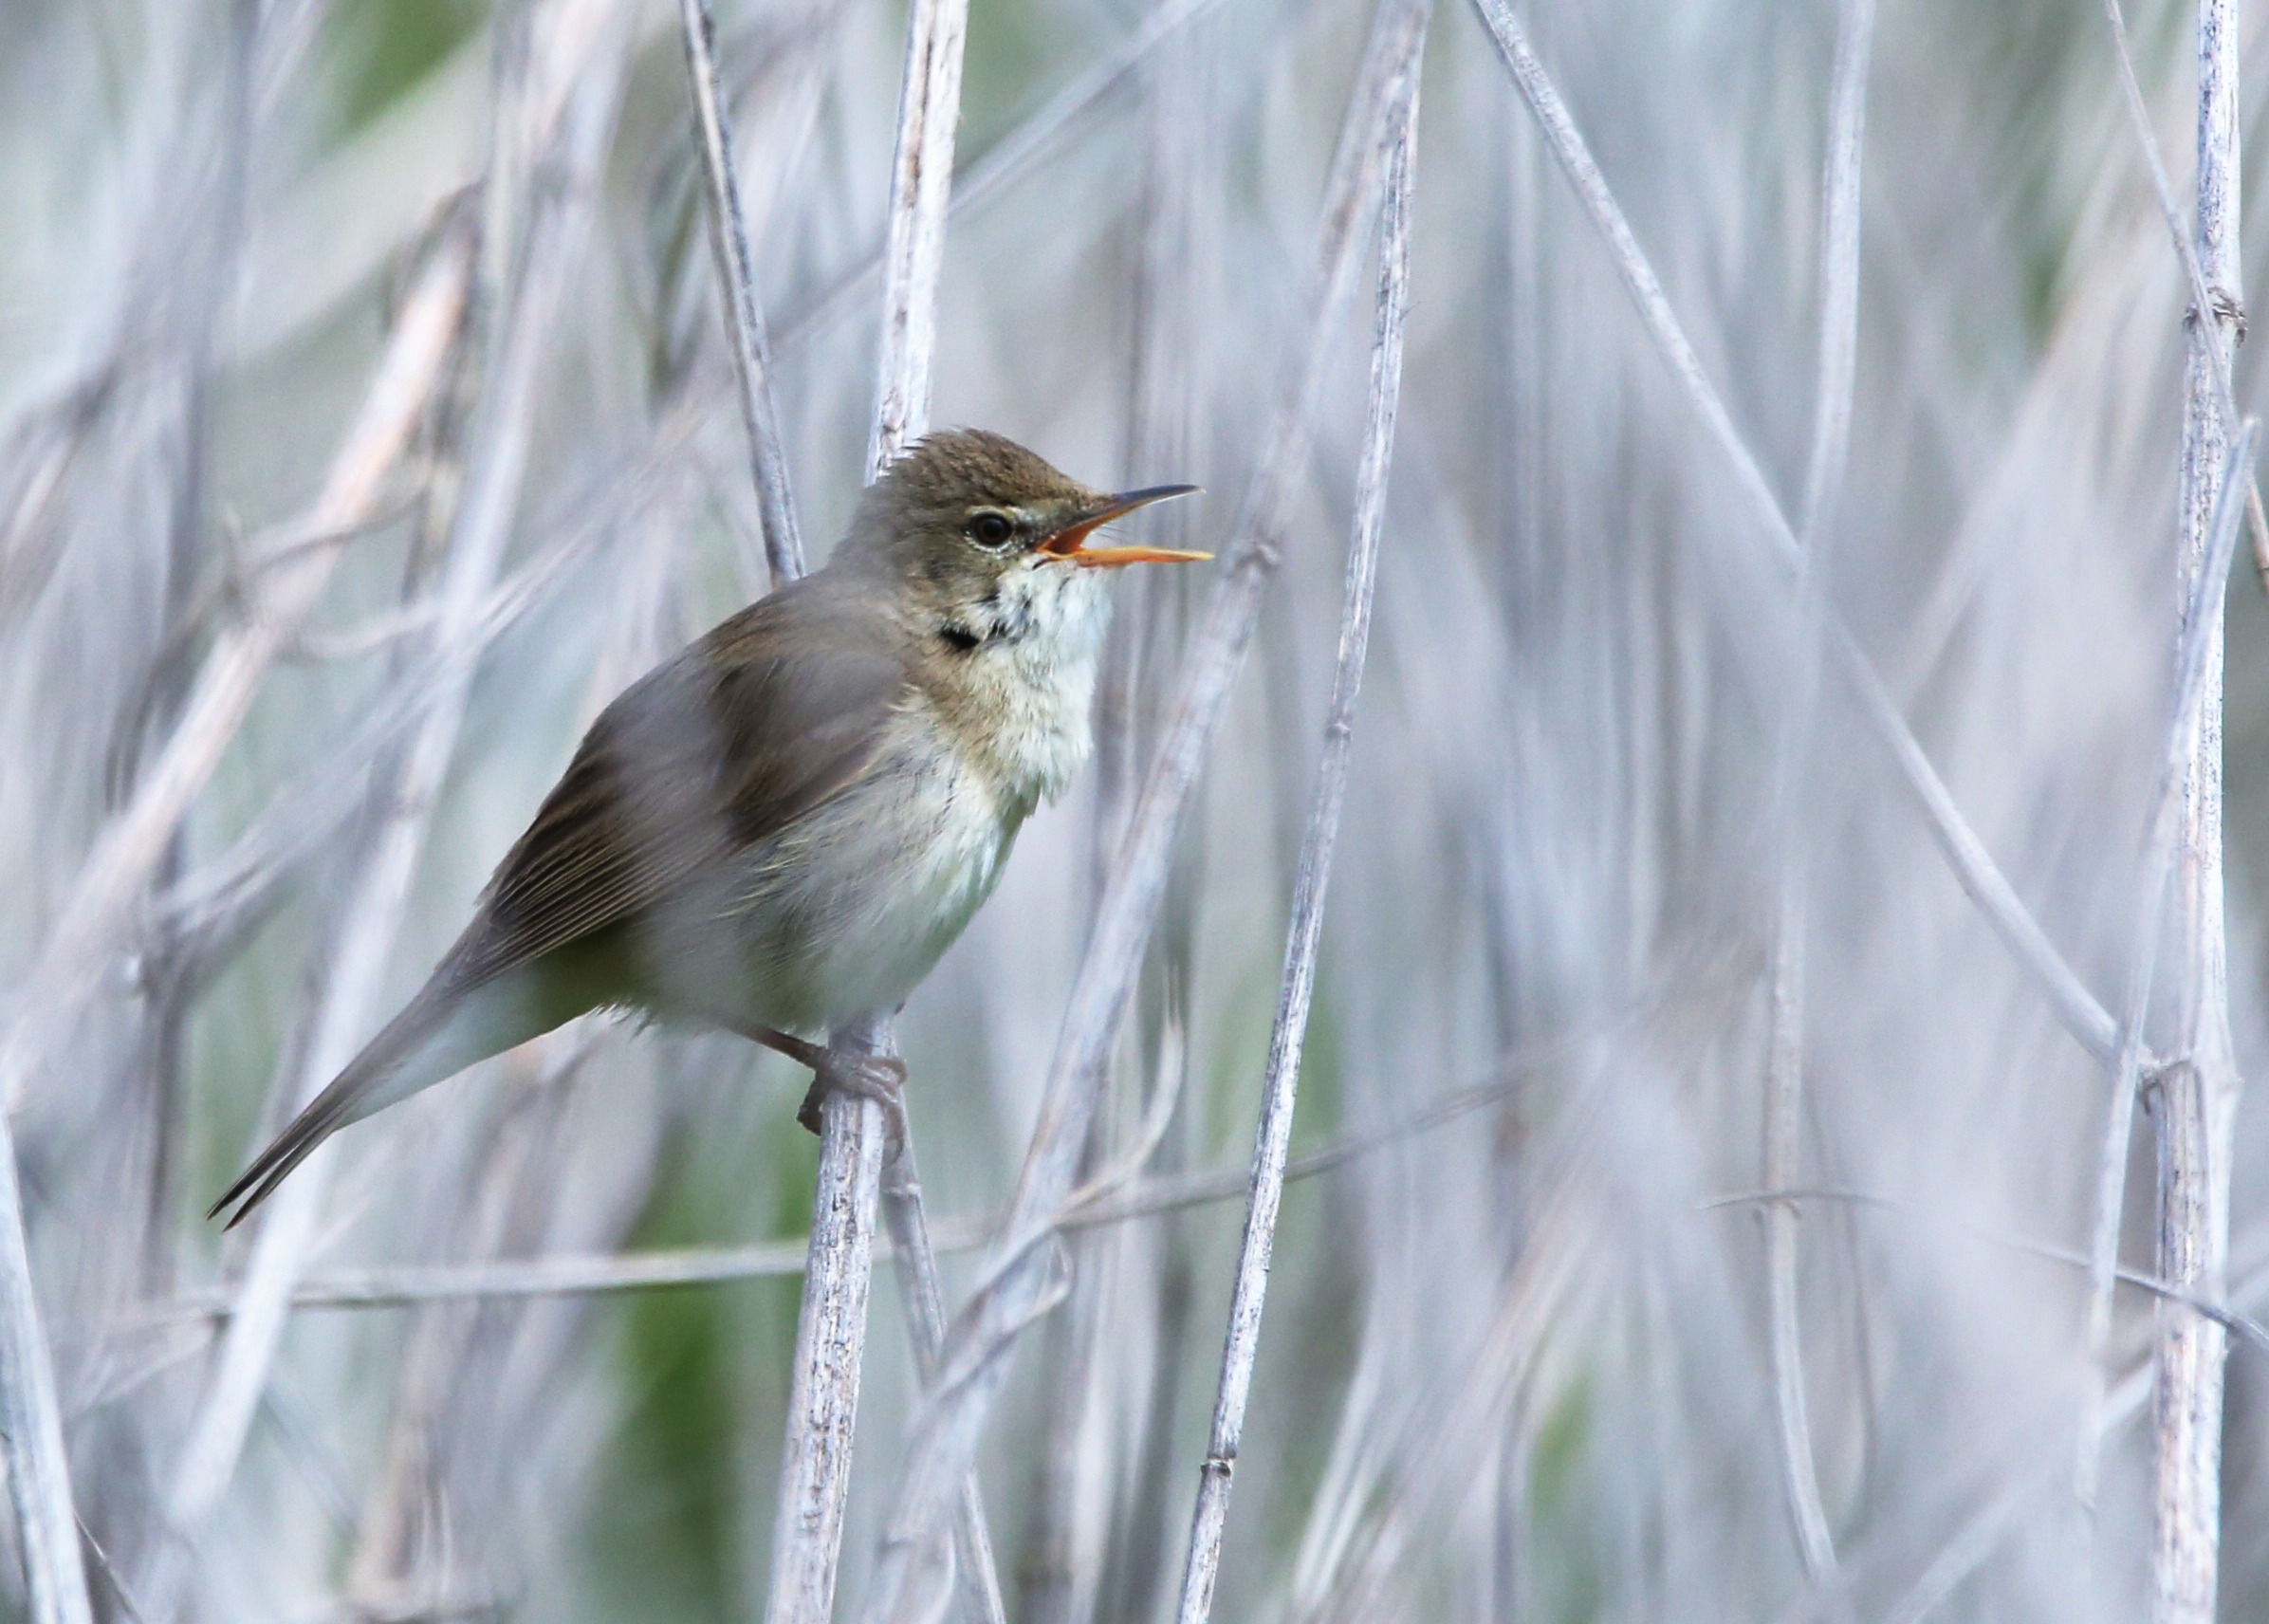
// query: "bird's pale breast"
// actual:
[[847, 911]]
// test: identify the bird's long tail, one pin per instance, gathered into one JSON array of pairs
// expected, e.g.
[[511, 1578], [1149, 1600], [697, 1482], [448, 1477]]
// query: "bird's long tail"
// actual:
[[440, 1032]]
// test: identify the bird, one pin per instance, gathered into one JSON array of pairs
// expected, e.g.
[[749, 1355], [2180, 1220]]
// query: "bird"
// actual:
[[784, 826]]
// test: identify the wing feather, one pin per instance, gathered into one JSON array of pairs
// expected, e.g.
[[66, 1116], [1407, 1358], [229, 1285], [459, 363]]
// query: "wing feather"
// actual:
[[727, 746]]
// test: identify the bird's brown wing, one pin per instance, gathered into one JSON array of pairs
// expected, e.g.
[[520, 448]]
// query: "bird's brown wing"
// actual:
[[773, 713]]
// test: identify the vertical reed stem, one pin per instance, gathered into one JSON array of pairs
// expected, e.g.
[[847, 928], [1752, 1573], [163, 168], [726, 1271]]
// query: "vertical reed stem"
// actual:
[[2196, 648], [1273, 1138], [1784, 1075], [2198, 1095], [39, 1471], [815, 1472], [831, 1337], [921, 186]]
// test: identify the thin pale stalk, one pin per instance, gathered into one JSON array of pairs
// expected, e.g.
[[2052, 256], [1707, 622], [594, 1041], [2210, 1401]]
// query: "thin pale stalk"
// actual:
[[831, 1332], [1445, 1445], [479, 530], [2199, 1098], [1138, 1509], [442, 1356], [2191, 675], [1303, 941], [921, 187], [1978, 1534], [2231, 1320], [1055, 1561], [1784, 1079], [915, 1260], [1975, 870], [831, 1335], [2223, 301], [135, 841], [1023, 1265], [39, 1472], [399, 1285], [1086, 1514], [31, 540], [1008, 159], [744, 311]]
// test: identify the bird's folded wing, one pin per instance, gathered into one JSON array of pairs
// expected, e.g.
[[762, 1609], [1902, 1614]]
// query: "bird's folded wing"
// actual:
[[772, 714]]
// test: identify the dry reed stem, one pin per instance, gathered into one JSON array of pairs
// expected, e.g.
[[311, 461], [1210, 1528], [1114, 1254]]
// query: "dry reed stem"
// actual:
[[1979, 876], [831, 1333], [1447, 1440], [479, 531], [2201, 298], [32, 538], [2191, 672], [134, 842], [129, 851], [39, 1470], [1023, 1272], [1312, 882], [915, 1260], [401, 1285], [831, 1328], [1784, 1067], [2198, 1099], [1116, 1527], [1008, 159], [736, 286], [2238, 1323], [921, 188]]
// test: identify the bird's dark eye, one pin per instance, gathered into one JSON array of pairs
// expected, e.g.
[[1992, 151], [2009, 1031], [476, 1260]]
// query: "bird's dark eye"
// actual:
[[991, 529]]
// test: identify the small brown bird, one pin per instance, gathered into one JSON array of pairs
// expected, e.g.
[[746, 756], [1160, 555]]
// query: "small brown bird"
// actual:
[[782, 827]]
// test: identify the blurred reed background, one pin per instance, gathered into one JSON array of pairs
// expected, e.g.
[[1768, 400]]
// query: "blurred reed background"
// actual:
[[367, 354]]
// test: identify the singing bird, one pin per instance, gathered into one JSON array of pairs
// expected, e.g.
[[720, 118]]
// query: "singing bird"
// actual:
[[781, 828]]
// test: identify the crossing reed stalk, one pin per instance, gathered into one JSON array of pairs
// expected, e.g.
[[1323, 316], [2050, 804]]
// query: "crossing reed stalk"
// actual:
[[1304, 935], [736, 286]]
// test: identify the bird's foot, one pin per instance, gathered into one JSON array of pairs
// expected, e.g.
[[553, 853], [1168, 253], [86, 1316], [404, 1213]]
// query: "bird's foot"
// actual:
[[880, 1078]]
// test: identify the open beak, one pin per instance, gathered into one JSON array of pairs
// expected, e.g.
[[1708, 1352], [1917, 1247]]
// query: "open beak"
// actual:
[[1070, 544]]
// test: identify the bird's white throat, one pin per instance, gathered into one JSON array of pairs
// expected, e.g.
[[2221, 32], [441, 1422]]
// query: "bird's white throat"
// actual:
[[1017, 695]]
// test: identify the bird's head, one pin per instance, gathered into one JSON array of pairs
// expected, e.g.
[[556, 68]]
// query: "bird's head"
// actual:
[[992, 542]]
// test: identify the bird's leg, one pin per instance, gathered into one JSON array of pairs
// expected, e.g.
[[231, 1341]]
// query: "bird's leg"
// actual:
[[880, 1078]]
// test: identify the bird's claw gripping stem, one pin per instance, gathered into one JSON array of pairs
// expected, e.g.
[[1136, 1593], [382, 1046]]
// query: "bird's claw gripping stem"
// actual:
[[880, 1078]]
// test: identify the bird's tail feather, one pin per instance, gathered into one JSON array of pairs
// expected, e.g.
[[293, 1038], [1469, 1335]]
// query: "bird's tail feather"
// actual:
[[440, 1032]]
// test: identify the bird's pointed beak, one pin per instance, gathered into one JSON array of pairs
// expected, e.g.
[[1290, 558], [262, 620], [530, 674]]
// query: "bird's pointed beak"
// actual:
[[1070, 544]]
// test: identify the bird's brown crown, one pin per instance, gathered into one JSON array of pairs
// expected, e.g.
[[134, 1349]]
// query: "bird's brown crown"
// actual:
[[945, 477]]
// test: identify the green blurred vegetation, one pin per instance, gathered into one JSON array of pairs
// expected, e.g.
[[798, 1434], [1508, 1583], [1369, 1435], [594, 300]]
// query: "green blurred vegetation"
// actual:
[[377, 51]]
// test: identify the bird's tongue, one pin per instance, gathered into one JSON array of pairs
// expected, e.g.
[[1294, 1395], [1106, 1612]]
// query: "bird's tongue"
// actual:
[[1064, 543]]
